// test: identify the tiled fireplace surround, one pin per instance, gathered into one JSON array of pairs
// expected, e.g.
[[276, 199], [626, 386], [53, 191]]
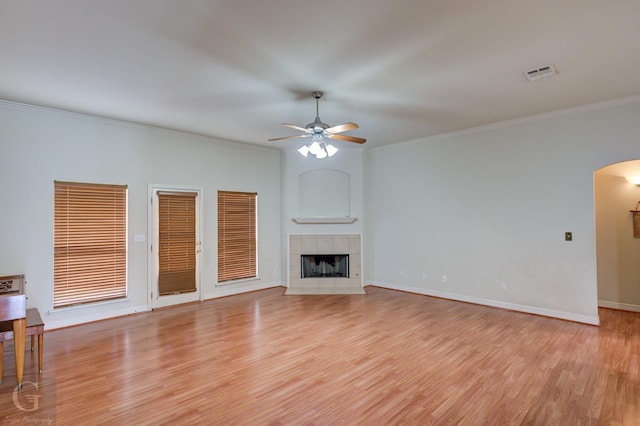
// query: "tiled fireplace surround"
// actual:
[[325, 244]]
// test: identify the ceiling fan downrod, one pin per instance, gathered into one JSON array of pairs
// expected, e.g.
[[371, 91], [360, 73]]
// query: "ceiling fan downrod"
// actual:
[[317, 94]]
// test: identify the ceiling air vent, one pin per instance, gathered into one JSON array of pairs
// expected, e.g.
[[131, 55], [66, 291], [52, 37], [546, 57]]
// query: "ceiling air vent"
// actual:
[[542, 72]]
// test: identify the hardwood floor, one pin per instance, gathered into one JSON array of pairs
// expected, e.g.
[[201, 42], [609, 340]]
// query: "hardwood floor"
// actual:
[[383, 358]]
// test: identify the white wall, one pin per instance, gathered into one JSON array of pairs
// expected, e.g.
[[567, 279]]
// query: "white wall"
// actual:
[[348, 161], [483, 207], [38, 146], [491, 206], [618, 252]]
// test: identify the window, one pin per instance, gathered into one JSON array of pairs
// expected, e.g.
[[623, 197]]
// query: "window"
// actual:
[[236, 235], [90, 244]]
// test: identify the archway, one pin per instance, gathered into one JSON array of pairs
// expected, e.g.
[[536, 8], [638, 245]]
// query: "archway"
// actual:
[[617, 251]]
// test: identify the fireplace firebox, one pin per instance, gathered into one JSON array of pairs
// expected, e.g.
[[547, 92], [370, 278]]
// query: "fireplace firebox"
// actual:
[[324, 265]]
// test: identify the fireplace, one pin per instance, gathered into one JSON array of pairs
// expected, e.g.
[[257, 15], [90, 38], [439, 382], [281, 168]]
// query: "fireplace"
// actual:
[[324, 266]]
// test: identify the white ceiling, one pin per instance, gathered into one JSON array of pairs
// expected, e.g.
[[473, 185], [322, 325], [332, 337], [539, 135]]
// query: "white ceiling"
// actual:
[[235, 69]]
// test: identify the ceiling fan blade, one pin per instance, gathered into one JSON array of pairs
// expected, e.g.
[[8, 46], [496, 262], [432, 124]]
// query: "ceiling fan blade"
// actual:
[[348, 138], [342, 128], [290, 137], [293, 126]]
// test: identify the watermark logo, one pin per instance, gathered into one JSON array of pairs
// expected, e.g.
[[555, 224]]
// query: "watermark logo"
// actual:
[[34, 404], [30, 393]]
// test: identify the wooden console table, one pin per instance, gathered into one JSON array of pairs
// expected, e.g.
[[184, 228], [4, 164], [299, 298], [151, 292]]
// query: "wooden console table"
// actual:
[[35, 327], [13, 308]]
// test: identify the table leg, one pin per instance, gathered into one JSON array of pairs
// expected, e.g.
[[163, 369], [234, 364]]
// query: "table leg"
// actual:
[[19, 338], [40, 351]]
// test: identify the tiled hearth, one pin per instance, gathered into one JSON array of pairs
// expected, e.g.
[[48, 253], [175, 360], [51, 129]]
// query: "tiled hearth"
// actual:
[[325, 245]]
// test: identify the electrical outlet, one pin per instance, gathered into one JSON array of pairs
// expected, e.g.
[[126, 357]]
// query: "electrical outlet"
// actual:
[[402, 272], [503, 286], [568, 236], [424, 275], [444, 278]]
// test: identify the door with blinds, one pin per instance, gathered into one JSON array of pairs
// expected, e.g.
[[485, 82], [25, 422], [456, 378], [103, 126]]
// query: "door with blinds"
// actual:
[[175, 247]]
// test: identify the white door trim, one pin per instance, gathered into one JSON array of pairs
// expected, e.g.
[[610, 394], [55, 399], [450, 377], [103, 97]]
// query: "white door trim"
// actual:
[[153, 300]]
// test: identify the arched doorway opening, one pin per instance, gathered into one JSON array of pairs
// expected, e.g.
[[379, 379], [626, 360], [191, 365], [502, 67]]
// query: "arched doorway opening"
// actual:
[[617, 251]]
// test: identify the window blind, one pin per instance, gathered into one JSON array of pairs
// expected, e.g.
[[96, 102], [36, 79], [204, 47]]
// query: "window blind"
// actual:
[[90, 242], [177, 242], [236, 235]]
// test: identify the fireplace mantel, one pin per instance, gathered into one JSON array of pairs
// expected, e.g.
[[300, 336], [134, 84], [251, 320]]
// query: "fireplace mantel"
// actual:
[[324, 220]]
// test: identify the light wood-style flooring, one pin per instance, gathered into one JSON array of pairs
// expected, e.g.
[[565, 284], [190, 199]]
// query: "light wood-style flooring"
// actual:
[[384, 358]]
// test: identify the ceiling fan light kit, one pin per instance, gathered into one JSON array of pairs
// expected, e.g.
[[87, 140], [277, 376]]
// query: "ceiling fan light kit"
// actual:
[[319, 132], [318, 147]]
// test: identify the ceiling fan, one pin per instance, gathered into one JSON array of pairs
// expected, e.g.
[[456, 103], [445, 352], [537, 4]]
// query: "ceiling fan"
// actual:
[[319, 132]]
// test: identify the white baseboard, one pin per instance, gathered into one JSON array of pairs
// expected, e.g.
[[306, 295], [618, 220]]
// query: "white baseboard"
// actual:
[[62, 318], [51, 322], [222, 291], [619, 306], [324, 290], [569, 316]]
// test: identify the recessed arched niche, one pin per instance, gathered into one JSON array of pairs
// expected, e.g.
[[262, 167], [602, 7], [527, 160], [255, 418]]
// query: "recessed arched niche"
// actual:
[[324, 193]]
